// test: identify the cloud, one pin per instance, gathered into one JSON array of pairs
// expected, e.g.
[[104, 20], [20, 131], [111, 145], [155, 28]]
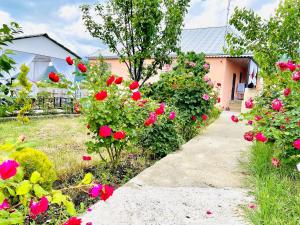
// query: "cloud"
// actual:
[[69, 12], [5, 17], [268, 10]]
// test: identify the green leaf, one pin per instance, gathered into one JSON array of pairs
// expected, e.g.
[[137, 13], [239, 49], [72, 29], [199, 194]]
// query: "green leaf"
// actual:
[[2, 197], [70, 208], [24, 187], [39, 191], [88, 178], [35, 177]]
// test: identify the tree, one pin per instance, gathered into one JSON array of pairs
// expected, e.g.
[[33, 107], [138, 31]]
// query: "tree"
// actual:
[[138, 30], [269, 40]]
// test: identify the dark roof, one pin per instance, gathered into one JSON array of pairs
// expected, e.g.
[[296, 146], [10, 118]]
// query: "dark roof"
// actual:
[[209, 40], [51, 39]]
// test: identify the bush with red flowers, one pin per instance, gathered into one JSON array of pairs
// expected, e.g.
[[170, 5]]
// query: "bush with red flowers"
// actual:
[[276, 113], [23, 200]]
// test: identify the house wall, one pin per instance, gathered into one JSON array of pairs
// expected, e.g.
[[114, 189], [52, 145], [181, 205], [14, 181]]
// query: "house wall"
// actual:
[[221, 71]]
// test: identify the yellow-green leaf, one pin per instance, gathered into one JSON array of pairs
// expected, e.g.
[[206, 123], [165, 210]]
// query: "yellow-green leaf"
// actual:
[[2, 197], [88, 178], [70, 208], [23, 188], [35, 177], [39, 191]]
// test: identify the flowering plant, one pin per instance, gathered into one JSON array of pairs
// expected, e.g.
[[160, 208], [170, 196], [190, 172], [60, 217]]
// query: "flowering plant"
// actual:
[[275, 114]]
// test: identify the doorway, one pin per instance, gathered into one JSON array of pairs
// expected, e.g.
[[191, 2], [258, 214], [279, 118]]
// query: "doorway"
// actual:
[[233, 86]]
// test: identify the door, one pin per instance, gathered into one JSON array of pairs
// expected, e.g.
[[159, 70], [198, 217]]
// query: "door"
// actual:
[[233, 86]]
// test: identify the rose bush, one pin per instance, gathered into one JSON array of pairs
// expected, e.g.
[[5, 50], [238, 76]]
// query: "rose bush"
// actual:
[[275, 114]]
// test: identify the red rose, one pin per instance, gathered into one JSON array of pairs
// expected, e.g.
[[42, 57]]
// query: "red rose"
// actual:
[[119, 80], [73, 221], [101, 95], [104, 131], [194, 118], [248, 136], [53, 77], [151, 119], [296, 76], [110, 80], [134, 85], [204, 117], [159, 111], [287, 92], [106, 192], [234, 118], [119, 135], [136, 95], [82, 67], [249, 103], [69, 60], [257, 118], [219, 99], [260, 137], [86, 158]]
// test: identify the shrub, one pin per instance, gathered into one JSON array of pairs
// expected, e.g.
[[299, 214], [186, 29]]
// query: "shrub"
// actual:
[[278, 109], [34, 160]]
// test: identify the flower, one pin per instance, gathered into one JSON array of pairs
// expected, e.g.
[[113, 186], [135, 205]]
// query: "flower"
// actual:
[[119, 135], [291, 66], [204, 117], [22, 138], [249, 136], [276, 104], [260, 137], [101, 95], [250, 122], [219, 100], [286, 92], [39, 207], [257, 118], [249, 103], [208, 212], [296, 76], [194, 118], [161, 109], [104, 131], [206, 78], [151, 119], [251, 206], [119, 80], [69, 60], [73, 221], [136, 96], [234, 118], [172, 115], [297, 144], [134, 85], [86, 158], [219, 84], [4, 205], [275, 162], [206, 66], [53, 77], [8, 169], [106, 192], [82, 67], [95, 191], [88, 126], [205, 97], [110, 80]]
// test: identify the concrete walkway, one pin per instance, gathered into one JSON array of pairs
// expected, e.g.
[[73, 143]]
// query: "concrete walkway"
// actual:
[[180, 188]]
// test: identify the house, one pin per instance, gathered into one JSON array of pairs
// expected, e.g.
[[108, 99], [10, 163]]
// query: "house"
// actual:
[[233, 73], [41, 53]]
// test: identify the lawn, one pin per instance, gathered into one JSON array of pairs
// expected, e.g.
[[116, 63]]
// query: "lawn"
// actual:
[[61, 138]]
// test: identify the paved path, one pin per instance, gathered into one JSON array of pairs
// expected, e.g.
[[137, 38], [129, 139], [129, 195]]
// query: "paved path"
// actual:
[[180, 188]]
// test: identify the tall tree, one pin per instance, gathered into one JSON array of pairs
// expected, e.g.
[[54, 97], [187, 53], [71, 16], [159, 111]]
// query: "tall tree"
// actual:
[[269, 40], [138, 30]]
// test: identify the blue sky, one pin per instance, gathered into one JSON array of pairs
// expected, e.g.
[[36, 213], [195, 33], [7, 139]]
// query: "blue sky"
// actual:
[[61, 18]]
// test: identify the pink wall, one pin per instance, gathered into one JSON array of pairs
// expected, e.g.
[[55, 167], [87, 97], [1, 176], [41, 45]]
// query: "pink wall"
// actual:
[[221, 71]]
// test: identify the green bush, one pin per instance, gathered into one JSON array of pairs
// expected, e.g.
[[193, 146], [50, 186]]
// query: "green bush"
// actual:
[[35, 160]]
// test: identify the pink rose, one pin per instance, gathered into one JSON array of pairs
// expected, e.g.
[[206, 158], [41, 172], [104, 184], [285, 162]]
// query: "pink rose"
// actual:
[[297, 144], [205, 97], [39, 207], [172, 115], [249, 136], [95, 190], [4, 205], [8, 169], [276, 104], [249, 103], [234, 118], [275, 162], [260, 137], [287, 92], [296, 76], [104, 131]]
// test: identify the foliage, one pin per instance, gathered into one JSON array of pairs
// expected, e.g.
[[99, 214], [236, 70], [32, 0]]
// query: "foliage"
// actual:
[[23, 198], [280, 126], [161, 138], [23, 101], [268, 40], [34, 160], [116, 112], [276, 189], [138, 30]]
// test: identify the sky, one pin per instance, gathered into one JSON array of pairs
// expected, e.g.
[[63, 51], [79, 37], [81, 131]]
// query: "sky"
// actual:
[[61, 19]]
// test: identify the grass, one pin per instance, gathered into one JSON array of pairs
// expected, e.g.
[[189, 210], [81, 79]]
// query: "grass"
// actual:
[[62, 139], [277, 190]]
